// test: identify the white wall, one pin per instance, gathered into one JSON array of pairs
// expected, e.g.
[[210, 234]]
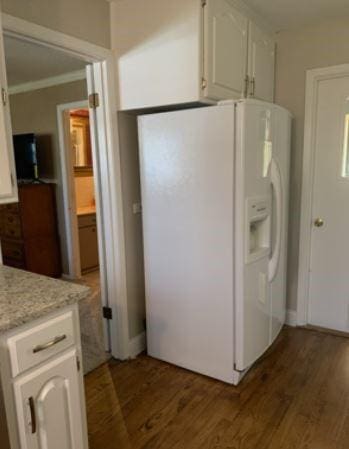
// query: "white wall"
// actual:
[[298, 50], [85, 19]]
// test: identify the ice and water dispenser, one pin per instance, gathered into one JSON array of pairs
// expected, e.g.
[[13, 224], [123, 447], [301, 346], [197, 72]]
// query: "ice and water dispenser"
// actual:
[[258, 212]]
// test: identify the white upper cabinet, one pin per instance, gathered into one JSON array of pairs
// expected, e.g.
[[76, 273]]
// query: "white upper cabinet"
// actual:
[[188, 51], [261, 64], [225, 45], [8, 186]]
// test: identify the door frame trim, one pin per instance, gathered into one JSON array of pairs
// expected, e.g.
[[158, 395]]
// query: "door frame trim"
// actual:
[[113, 216], [313, 78], [70, 218]]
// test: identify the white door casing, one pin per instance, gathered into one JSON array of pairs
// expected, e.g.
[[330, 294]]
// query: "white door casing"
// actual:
[[102, 60], [323, 277], [8, 185], [70, 218], [225, 50]]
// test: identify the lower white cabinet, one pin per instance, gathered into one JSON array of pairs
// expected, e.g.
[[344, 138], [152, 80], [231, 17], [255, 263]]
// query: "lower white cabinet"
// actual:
[[49, 414], [44, 400]]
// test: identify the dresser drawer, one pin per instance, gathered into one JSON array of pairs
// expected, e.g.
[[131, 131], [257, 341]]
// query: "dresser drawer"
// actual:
[[11, 231], [39, 343], [9, 208], [12, 250]]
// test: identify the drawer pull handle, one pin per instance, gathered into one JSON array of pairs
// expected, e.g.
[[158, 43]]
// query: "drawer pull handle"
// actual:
[[49, 344], [32, 414]]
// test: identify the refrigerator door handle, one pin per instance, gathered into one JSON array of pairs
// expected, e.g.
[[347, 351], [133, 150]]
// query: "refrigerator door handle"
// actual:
[[275, 178]]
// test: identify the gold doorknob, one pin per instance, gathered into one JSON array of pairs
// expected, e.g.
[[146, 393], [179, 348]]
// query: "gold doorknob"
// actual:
[[319, 222]]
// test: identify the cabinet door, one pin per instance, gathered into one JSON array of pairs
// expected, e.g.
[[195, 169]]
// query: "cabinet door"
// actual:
[[8, 186], [225, 50], [88, 248], [50, 406], [261, 64]]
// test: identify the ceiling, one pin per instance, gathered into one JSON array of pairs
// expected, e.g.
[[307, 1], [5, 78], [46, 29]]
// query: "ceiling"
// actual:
[[288, 14], [27, 62]]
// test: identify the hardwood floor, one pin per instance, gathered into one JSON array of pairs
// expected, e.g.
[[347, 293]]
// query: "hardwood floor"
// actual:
[[296, 397]]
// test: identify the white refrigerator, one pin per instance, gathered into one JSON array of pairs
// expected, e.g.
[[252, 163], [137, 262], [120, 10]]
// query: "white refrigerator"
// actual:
[[214, 186]]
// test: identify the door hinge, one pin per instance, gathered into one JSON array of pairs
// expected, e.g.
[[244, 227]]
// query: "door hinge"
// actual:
[[93, 100], [4, 96], [107, 313], [203, 3], [203, 83], [78, 363]]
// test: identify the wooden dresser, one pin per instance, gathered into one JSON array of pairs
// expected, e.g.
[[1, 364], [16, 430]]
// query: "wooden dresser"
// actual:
[[28, 231]]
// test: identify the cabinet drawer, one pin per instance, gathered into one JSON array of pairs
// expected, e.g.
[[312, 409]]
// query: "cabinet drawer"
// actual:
[[86, 220], [39, 343]]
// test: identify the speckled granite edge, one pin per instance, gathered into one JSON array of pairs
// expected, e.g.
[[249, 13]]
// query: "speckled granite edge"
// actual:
[[26, 296]]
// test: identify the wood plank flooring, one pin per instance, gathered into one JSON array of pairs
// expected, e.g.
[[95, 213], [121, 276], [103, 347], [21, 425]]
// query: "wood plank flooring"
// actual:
[[296, 397]]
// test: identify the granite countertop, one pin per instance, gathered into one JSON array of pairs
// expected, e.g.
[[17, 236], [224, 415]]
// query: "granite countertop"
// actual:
[[86, 210], [27, 296]]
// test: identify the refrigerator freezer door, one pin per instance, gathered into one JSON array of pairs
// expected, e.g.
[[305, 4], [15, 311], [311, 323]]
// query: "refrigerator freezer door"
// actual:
[[187, 176], [281, 156], [252, 292]]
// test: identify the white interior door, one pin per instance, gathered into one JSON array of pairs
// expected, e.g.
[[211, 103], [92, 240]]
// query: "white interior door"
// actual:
[[261, 63], [225, 58], [329, 266]]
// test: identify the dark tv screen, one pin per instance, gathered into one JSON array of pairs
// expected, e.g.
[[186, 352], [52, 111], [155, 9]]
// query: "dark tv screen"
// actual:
[[25, 156]]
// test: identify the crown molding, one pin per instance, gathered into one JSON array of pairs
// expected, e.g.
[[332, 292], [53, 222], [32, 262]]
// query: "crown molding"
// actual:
[[48, 82]]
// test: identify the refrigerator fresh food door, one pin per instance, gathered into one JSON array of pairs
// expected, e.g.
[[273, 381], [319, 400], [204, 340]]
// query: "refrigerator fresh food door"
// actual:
[[277, 219], [278, 261], [255, 132], [187, 178]]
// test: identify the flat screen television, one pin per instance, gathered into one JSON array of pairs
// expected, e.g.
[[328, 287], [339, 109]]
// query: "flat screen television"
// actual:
[[25, 156]]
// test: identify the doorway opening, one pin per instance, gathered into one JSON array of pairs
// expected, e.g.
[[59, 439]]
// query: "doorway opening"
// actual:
[[93, 70]]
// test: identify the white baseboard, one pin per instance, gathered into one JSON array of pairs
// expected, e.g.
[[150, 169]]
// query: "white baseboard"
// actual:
[[137, 345], [291, 318]]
